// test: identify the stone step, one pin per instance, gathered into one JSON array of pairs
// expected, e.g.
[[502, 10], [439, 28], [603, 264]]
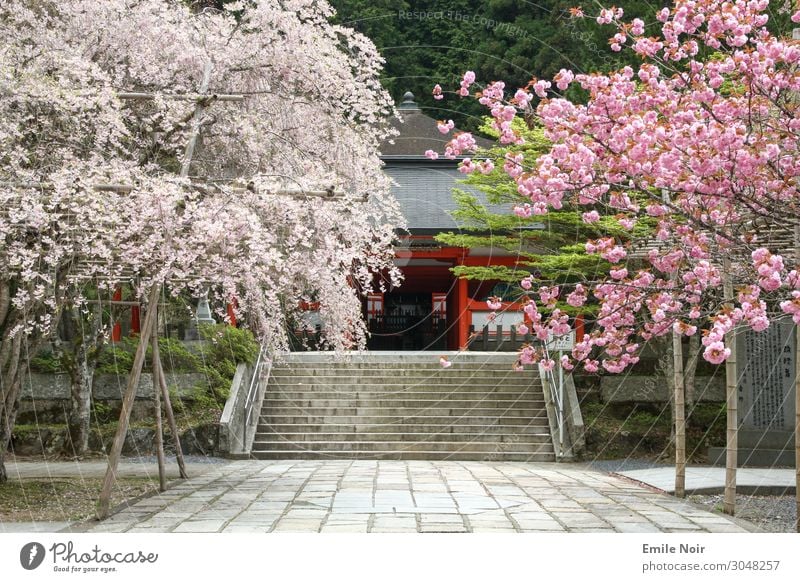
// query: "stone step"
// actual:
[[383, 405], [397, 403], [392, 455], [471, 419], [395, 383], [535, 426], [480, 410], [505, 375], [392, 388], [428, 363], [403, 446], [401, 395], [473, 436]]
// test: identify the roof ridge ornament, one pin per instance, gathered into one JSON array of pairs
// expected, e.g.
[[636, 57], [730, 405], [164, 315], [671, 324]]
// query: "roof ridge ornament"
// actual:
[[408, 103]]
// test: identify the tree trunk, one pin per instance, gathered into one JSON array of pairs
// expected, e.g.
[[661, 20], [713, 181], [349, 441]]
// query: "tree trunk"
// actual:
[[80, 407], [10, 382], [12, 340], [80, 361]]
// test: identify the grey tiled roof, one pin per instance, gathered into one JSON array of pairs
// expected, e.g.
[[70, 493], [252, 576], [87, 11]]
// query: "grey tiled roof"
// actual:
[[425, 194]]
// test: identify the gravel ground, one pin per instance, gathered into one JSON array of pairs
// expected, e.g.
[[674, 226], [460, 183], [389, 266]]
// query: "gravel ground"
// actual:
[[771, 513]]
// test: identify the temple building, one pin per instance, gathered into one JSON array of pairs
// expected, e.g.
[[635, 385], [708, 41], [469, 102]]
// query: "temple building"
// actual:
[[432, 309]]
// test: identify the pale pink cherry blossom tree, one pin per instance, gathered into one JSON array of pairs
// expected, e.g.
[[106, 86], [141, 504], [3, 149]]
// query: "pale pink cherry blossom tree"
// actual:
[[312, 116], [701, 138]]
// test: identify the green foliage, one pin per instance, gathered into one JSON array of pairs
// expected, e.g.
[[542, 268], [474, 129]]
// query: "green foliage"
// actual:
[[624, 430], [46, 362], [101, 413], [550, 246], [435, 41], [229, 343], [225, 347], [117, 358]]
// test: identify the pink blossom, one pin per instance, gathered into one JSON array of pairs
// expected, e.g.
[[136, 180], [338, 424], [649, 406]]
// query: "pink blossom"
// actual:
[[591, 366], [590, 217], [486, 167], [563, 79], [437, 92], [618, 273], [444, 362], [430, 154], [716, 352], [494, 303], [578, 297]]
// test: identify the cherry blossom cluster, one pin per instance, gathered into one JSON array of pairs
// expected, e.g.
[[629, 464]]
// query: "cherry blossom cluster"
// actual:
[[62, 125], [702, 148]]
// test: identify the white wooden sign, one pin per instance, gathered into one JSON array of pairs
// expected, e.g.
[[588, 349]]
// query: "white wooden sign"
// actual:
[[561, 343]]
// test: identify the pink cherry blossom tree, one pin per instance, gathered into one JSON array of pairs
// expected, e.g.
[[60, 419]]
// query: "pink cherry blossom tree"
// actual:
[[311, 117], [705, 144], [703, 138]]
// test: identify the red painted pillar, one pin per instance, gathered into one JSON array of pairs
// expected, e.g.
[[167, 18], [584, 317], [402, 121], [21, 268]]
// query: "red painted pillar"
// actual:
[[116, 331], [462, 313], [579, 331], [232, 313], [136, 326]]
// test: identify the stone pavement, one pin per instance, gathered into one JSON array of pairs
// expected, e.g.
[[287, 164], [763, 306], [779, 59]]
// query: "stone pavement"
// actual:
[[411, 496], [703, 480]]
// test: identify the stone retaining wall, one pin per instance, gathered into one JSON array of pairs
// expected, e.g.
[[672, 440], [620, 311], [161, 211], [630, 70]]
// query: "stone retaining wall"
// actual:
[[46, 397]]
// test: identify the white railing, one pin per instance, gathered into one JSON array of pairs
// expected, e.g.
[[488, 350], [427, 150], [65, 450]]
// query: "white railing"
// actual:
[[252, 391], [556, 384], [238, 419]]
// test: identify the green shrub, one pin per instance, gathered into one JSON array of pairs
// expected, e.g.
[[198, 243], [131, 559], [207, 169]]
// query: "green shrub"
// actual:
[[229, 343], [46, 362], [118, 358], [225, 348]]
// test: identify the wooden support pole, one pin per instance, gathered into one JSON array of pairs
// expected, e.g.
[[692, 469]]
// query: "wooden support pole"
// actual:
[[680, 416], [173, 427], [128, 399], [732, 402], [157, 372], [326, 194], [197, 119], [134, 96]]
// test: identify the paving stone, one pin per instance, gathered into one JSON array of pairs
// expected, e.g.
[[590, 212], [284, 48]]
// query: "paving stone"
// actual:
[[633, 527], [200, 526], [443, 528], [345, 528], [342, 496]]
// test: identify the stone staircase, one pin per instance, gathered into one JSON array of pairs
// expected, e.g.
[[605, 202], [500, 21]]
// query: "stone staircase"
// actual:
[[383, 405]]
